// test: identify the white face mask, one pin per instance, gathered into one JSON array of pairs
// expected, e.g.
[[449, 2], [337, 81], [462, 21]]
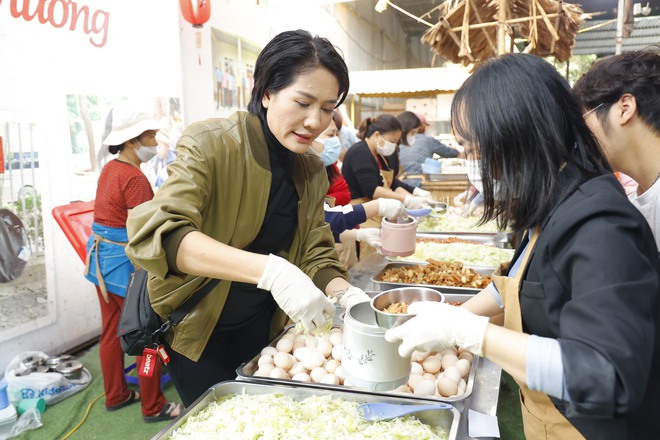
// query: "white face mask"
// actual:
[[387, 149], [331, 150], [474, 175], [410, 139], [145, 153]]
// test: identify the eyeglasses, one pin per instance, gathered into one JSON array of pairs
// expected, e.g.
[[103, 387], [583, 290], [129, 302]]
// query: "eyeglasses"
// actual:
[[593, 110]]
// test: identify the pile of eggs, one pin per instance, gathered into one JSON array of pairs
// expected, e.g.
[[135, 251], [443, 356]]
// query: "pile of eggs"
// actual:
[[442, 374]]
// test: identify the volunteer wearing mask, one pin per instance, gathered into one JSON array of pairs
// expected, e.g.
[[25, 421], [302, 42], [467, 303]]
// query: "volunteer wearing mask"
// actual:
[[339, 213], [581, 299], [243, 203], [122, 187], [368, 172]]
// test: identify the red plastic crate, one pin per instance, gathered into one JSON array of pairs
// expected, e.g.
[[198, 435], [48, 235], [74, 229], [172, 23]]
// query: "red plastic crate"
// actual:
[[76, 220]]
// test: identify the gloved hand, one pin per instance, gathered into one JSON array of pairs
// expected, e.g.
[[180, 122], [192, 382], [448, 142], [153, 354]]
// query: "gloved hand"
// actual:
[[414, 202], [419, 192], [390, 208], [352, 296], [371, 236], [295, 293], [438, 326]]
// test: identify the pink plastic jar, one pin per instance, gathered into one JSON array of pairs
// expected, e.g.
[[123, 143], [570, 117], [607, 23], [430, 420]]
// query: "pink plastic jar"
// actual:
[[398, 239]]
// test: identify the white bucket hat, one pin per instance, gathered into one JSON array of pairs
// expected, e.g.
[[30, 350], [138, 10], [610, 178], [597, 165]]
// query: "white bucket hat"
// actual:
[[127, 125]]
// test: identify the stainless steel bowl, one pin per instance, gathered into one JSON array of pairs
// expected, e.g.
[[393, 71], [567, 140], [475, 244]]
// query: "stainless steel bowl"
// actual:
[[438, 207], [406, 295]]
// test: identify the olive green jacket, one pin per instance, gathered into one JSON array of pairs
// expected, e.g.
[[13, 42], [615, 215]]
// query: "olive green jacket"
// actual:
[[219, 185]]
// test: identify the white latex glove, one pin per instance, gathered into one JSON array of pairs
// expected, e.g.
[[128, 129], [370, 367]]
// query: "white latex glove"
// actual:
[[295, 293], [419, 192], [390, 208], [352, 296], [371, 236], [438, 326], [461, 198], [414, 202]]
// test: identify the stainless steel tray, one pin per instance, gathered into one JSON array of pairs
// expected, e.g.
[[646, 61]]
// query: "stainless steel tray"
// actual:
[[386, 285], [246, 372], [481, 238], [445, 419], [447, 177]]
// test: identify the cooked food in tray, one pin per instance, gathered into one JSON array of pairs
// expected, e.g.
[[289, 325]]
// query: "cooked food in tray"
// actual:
[[276, 415], [470, 254], [397, 308], [437, 273]]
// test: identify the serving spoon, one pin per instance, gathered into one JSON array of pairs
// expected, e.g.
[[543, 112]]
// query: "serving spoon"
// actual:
[[374, 412]]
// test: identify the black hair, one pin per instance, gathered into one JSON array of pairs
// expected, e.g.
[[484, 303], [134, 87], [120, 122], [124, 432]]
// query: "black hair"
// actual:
[[288, 55], [409, 121], [114, 149], [383, 124], [520, 117], [336, 117], [637, 73]]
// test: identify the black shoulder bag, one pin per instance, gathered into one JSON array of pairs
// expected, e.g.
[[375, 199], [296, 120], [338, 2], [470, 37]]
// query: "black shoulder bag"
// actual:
[[140, 326]]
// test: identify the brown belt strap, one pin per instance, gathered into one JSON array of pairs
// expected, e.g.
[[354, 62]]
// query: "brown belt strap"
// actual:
[[95, 248]]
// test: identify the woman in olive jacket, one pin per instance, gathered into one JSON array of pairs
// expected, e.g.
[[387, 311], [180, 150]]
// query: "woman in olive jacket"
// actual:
[[244, 204]]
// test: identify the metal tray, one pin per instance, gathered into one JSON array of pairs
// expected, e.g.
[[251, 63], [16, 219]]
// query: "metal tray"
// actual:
[[246, 372], [446, 177], [386, 285], [482, 238], [445, 419]]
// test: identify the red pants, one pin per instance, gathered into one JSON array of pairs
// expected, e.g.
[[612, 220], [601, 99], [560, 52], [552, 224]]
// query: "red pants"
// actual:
[[112, 363]]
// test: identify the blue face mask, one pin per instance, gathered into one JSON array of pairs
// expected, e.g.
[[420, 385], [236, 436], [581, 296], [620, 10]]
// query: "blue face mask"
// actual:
[[331, 150]]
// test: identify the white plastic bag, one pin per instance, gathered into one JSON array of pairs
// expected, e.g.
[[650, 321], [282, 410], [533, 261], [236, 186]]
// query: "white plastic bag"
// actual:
[[51, 386]]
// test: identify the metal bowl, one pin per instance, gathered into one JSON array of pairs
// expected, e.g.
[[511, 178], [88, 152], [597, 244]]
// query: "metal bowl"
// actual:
[[438, 207], [406, 295]]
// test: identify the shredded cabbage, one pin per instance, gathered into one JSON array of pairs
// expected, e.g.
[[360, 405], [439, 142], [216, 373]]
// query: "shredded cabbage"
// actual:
[[450, 222], [466, 253], [277, 416], [319, 334]]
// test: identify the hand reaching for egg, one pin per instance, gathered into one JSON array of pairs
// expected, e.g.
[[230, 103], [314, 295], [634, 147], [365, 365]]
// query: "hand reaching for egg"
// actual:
[[438, 326], [296, 294]]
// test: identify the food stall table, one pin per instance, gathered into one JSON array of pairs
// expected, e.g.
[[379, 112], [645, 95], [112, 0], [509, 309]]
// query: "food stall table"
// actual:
[[486, 388]]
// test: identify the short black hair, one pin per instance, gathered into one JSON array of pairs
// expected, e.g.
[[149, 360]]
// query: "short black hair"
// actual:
[[637, 73], [288, 55], [522, 120], [409, 121], [384, 123]]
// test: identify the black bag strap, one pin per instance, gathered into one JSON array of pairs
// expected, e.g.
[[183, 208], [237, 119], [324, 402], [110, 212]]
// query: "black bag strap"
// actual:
[[177, 315]]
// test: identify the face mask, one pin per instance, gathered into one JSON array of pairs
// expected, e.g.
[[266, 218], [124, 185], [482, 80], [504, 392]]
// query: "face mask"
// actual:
[[410, 139], [145, 153], [331, 150], [386, 149], [474, 174]]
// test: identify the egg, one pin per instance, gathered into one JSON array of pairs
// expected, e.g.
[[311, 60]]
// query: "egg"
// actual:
[[330, 379], [452, 373], [419, 356], [402, 389], [425, 387], [317, 374], [462, 386], [325, 348], [278, 373], [302, 377], [283, 360], [338, 351], [296, 368], [429, 376], [336, 338], [302, 353], [331, 365], [463, 367], [416, 368], [467, 356], [448, 360], [339, 372], [284, 345], [447, 351], [290, 336], [432, 364], [297, 345], [313, 359], [265, 370], [413, 379], [265, 359], [269, 350], [446, 387]]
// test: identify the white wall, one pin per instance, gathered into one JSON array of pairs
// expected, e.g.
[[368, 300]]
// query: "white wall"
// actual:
[[41, 64]]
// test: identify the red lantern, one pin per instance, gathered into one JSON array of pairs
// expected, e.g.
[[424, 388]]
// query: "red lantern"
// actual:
[[195, 12]]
